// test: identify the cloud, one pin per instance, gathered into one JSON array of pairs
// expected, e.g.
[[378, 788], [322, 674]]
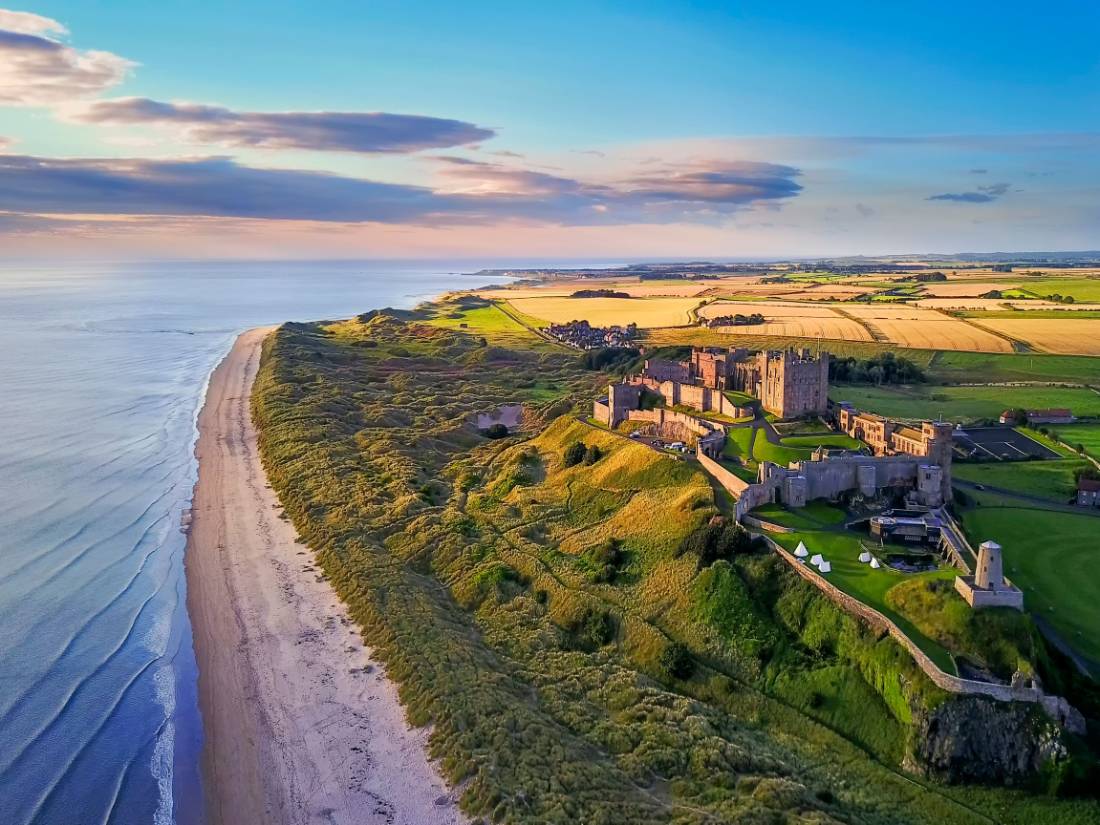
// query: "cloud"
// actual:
[[864, 210], [24, 22], [978, 171], [471, 192], [733, 183], [367, 132], [38, 70], [984, 194]]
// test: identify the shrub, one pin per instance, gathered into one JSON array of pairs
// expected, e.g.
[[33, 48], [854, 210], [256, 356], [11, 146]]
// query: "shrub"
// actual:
[[592, 454], [574, 453], [676, 662], [717, 540], [497, 431]]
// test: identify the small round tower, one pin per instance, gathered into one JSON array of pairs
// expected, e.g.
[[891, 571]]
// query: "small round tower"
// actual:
[[989, 573]]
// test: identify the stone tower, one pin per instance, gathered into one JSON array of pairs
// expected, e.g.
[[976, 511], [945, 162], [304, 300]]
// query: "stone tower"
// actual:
[[989, 573], [938, 445], [794, 383], [988, 586]]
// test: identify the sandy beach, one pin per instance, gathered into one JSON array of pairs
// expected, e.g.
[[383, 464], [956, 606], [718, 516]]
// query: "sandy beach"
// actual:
[[300, 724]]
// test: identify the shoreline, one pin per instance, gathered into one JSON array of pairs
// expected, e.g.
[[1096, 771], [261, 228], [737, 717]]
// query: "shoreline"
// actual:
[[300, 725]]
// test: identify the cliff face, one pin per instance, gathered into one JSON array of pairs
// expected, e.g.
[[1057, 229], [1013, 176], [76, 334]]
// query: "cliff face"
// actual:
[[974, 739]]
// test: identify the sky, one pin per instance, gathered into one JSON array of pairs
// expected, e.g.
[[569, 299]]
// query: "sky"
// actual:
[[623, 130]]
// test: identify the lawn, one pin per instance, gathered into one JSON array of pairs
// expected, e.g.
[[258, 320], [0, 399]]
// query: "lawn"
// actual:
[[1052, 556], [963, 404], [838, 440], [1053, 480], [841, 549]]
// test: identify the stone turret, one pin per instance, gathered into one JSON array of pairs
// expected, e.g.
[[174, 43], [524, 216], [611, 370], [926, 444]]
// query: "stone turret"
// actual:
[[988, 587], [990, 571]]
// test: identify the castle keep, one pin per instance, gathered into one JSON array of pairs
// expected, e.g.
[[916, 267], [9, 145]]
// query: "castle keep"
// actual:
[[789, 384]]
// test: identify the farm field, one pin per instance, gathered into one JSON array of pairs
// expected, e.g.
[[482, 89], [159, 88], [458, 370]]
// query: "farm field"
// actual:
[[1052, 480], [789, 320], [1087, 435], [1051, 556], [971, 366], [933, 331], [963, 404], [645, 312], [1078, 336]]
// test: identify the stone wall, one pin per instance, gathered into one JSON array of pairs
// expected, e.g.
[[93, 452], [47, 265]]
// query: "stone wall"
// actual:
[[1055, 706], [733, 485]]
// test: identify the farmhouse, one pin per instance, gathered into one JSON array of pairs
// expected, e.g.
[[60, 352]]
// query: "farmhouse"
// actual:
[[1053, 416], [1088, 492]]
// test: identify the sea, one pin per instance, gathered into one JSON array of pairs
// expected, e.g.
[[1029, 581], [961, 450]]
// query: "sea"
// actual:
[[102, 373]]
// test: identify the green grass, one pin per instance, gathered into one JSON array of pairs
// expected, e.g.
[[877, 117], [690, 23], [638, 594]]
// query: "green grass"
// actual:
[[741, 399], [1087, 435], [764, 450], [956, 367], [870, 586], [838, 440], [1052, 556], [738, 442], [1053, 480], [963, 404]]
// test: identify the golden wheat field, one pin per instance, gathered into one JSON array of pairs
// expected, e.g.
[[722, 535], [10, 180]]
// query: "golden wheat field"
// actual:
[[896, 312], [934, 331], [789, 319], [769, 309], [1080, 336], [647, 313]]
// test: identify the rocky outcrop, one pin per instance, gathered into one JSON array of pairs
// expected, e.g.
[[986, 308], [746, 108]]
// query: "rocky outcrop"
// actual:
[[975, 739]]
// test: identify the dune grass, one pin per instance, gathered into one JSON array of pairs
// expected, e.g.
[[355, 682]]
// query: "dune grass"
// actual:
[[475, 570]]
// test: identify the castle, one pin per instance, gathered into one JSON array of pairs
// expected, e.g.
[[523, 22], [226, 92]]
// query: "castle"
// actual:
[[789, 383]]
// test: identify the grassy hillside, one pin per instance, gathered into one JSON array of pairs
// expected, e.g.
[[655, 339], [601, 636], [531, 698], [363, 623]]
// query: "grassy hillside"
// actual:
[[575, 662]]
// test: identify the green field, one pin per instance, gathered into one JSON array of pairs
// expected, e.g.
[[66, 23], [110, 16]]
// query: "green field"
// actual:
[[1087, 435], [1053, 557], [964, 404], [957, 367], [1053, 480]]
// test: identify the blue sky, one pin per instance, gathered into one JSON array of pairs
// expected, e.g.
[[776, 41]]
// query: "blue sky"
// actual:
[[622, 129]]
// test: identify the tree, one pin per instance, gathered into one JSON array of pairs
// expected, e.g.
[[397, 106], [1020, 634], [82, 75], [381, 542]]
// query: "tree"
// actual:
[[574, 453], [676, 661]]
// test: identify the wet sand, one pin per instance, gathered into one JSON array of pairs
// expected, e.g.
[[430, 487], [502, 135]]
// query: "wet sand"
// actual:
[[300, 725]]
